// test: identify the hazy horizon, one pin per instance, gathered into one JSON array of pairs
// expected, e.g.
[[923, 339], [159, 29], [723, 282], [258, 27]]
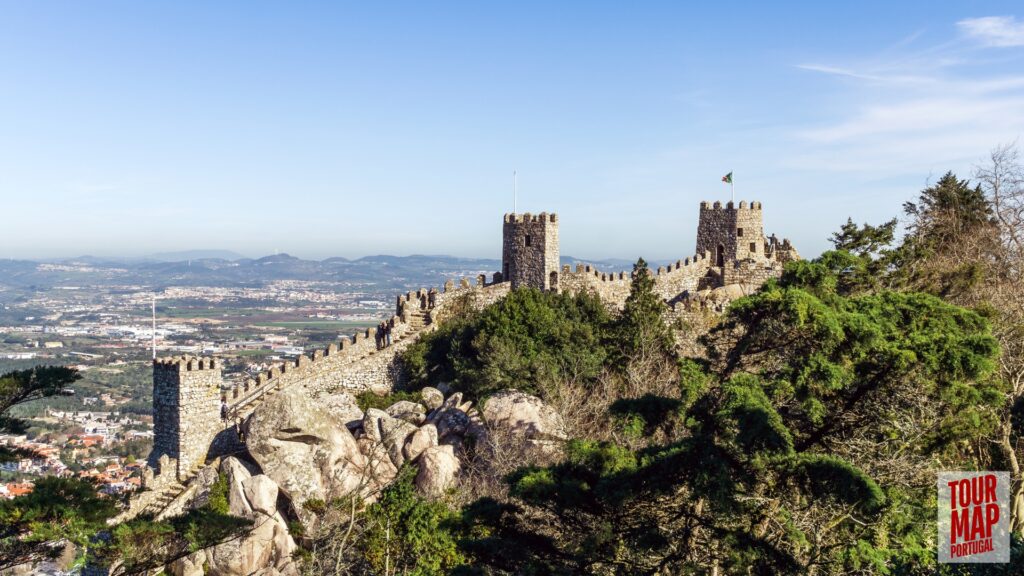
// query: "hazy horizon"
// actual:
[[337, 130]]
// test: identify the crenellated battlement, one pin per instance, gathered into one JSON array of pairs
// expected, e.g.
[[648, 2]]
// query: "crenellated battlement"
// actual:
[[613, 288], [185, 363], [511, 218], [186, 393], [717, 205]]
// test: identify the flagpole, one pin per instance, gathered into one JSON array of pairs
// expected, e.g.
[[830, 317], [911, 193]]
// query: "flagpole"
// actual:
[[732, 186], [515, 192]]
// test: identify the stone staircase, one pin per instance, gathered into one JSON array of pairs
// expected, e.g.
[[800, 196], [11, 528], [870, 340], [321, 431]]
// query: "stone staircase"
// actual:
[[417, 320], [167, 495]]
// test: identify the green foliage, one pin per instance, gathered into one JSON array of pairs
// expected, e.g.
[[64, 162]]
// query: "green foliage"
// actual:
[[647, 413], [23, 386], [759, 428], [368, 399], [218, 498], [640, 328], [526, 341], [693, 380], [57, 509], [949, 214], [948, 208], [864, 241], [826, 355], [824, 476], [408, 534]]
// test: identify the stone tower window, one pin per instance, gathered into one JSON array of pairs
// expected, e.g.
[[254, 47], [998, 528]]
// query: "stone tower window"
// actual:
[[739, 232], [527, 240], [720, 258], [753, 247]]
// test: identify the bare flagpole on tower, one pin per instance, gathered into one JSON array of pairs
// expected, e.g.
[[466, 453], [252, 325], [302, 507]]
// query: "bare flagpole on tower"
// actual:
[[515, 192], [154, 325]]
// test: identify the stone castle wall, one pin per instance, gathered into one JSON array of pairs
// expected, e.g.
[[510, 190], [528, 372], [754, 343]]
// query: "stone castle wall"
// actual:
[[529, 253], [750, 272], [355, 363], [681, 277]]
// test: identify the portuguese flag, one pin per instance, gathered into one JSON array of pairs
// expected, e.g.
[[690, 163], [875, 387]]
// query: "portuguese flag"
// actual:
[[727, 178]]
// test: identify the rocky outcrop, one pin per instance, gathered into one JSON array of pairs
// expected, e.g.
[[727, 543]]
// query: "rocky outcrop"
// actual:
[[428, 434], [394, 433], [268, 546], [525, 416], [306, 452]]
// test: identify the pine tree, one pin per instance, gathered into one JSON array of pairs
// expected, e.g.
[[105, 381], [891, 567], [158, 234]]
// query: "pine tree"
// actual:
[[642, 337]]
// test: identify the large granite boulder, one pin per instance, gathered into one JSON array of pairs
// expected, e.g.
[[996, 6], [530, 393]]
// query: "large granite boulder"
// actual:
[[438, 468], [524, 415], [237, 474], [372, 422], [403, 406], [191, 565], [424, 437], [309, 454], [432, 397], [394, 433]]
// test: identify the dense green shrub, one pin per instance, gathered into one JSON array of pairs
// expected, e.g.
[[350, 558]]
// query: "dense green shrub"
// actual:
[[408, 534], [525, 341]]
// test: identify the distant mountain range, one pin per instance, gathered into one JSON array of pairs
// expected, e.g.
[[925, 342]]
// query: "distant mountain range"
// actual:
[[224, 268]]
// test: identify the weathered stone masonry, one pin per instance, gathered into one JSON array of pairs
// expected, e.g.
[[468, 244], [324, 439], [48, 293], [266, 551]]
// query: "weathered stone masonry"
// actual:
[[186, 405], [529, 254]]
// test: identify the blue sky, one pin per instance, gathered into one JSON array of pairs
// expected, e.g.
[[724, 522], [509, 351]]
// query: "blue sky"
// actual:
[[347, 129]]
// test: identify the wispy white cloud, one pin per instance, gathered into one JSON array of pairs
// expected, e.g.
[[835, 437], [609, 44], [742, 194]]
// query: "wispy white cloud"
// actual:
[[1001, 31], [864, 75], [905, 109]]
